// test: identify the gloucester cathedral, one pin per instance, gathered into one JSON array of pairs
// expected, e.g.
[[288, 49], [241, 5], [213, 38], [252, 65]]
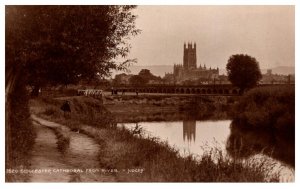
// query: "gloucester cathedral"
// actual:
[[189, 70]]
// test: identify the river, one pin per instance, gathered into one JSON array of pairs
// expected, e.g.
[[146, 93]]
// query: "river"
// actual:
[[197, 137]]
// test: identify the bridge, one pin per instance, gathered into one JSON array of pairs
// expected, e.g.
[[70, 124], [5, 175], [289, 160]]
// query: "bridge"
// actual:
[[224, 89], [218, 89]]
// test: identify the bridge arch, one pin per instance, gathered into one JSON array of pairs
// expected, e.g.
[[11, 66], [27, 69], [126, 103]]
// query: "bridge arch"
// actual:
[[209, 89]]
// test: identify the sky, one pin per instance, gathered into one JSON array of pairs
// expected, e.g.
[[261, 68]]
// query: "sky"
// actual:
[[264, 32]]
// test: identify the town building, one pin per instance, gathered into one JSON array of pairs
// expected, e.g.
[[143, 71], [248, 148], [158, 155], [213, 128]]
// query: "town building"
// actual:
[[189, 72], [270, 78]]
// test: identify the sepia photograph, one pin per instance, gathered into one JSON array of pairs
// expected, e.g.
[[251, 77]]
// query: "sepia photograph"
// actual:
[[149, 93]]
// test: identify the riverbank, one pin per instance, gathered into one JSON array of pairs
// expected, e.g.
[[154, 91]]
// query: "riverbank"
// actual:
[[132, 108], [66, 154], [131, 158], [267, 115]]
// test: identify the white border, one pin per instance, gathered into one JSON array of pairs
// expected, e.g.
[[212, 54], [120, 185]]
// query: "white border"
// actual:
[[146, 2], [151, 2]]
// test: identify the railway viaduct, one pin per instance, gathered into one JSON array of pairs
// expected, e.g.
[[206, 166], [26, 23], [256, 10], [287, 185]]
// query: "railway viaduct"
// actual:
[[200, 89]]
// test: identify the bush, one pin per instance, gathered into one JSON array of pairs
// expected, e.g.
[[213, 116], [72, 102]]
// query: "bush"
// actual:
[[268, 108]]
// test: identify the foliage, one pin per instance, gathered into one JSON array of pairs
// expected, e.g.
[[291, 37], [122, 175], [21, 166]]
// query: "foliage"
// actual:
[[19, 132], [143, 77], [243, 71], [87, 110], [119, 79], [63, 44], [147, 75], [264, 122], [137, 80], [268, 108]]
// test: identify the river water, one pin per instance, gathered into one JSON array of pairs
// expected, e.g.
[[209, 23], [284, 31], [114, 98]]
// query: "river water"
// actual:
[[197, 137]]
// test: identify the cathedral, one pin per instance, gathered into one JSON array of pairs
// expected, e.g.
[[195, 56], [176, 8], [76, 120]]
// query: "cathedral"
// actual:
[[189, 70]]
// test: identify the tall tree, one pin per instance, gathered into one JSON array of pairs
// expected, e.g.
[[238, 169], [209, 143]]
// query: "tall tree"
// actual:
[[243, 71], [147, 75], [50, 45], [63, 44]]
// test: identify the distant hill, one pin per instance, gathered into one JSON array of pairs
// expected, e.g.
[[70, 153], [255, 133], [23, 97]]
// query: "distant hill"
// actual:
[[160, 70], [283, 70]]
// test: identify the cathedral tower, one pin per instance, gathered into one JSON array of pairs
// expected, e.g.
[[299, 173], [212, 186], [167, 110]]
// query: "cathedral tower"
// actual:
[[189, 56]]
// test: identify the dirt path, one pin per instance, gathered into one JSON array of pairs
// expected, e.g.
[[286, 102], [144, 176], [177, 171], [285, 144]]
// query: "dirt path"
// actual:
[[67, 161]]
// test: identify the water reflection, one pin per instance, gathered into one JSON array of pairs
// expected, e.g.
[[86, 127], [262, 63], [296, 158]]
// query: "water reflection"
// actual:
[[197, 137], [245, 142], [189, 130], [191, 136], [188, 136]]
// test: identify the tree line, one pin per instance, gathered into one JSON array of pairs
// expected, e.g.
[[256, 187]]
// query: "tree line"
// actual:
[[60, 45]]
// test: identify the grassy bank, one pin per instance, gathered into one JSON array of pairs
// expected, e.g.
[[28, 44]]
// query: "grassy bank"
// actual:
[[131, 108], [264, 120], [268, 108], [157, 161]]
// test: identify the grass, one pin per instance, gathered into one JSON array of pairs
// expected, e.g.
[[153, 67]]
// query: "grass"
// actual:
[[148, 107], [63, 140], [121, 149], [84, 110], [163, 163]]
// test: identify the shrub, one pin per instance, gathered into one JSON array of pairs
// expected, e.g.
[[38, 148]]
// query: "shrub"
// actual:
[[267, 107]]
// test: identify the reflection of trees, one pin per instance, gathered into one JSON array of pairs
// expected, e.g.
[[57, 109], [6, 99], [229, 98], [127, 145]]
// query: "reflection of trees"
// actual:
[[244, 142], [189, 130]]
